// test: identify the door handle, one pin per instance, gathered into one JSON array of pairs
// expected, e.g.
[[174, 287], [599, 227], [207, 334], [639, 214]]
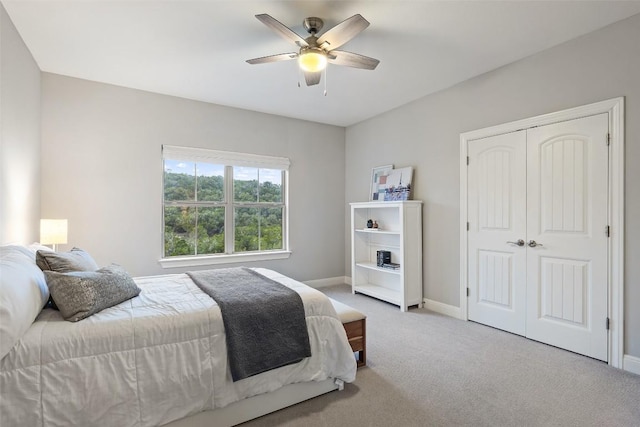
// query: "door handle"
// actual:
[[520, 242], [533, 244]]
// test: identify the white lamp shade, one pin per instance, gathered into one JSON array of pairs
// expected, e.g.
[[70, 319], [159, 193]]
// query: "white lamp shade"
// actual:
[[53, 231], [312, 61]]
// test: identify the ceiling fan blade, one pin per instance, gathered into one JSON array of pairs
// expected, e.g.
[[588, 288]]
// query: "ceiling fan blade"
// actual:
[[312, 78], [340, 57], [281, 29], [273, 58], [343, 32]]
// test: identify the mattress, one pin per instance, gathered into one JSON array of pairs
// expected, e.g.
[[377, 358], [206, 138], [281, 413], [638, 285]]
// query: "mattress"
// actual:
[[153, 359]]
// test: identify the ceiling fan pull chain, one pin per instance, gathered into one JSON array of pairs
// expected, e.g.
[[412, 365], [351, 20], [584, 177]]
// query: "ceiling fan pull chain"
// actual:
[[325, 81]]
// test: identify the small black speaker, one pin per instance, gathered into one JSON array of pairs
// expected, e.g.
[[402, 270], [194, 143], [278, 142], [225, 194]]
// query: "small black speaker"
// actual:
[[384, 257]]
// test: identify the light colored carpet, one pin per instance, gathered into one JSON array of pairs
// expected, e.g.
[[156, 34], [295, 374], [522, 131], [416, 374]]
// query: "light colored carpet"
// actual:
[[426, 369]]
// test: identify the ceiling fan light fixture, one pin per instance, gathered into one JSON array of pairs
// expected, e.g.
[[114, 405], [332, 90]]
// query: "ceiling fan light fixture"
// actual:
[[315, 51], [312, 60]]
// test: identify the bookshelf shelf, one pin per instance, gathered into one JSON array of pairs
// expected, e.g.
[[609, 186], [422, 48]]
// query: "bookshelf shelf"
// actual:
[[373, 266]]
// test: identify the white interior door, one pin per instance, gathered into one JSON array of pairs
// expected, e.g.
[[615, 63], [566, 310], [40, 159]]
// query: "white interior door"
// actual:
[[549, 187], [497, 216], [567, 191]]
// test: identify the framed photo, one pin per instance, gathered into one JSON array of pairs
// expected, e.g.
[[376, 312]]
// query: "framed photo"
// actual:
[[379, 182], [398, 184]]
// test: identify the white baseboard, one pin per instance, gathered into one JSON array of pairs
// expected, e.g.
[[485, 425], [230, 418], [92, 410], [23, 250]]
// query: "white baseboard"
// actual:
[[631, 364], [347, 280], [321, 283], [442, 308]]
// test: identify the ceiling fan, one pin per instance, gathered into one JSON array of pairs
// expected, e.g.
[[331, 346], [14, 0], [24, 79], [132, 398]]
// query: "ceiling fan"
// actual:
[[316, 51]]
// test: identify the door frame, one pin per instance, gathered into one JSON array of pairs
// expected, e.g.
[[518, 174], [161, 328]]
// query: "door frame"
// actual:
[[615, 108]]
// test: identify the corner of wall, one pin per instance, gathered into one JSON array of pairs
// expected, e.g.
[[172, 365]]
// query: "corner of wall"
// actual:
[[19, 137]]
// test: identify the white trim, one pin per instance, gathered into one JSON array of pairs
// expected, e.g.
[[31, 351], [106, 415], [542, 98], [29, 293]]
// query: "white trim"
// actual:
[[195, 261], [323, 283], [259, 405], [616, 244], [227, 158], [631, 364], [347, 280], [607, 106], [463, 228], [615, 108], [442, 308]]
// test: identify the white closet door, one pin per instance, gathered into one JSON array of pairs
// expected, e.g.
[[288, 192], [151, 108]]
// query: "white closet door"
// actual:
[[497, 215], [567, 190]]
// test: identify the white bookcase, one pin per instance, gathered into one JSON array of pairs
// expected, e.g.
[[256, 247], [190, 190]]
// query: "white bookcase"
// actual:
[[399, 232]]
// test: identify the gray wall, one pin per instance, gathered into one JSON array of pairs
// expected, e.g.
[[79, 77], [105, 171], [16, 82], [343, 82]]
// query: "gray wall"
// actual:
[[19, 138], [425, 134], [103, 171]]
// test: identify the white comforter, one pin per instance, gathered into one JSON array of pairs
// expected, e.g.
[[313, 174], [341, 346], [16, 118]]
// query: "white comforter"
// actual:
[[153, 359]]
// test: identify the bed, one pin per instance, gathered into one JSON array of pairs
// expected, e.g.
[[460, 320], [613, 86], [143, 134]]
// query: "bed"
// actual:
[[158, 359]]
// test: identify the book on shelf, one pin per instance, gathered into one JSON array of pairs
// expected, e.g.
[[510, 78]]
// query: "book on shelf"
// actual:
[[391, 265], [383, 257]]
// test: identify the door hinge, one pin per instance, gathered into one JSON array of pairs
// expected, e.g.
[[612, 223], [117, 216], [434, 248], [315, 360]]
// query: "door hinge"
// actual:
[[467, 226], [467, 160], [608, 231], [467, 291], [608, 140], [607, 324]]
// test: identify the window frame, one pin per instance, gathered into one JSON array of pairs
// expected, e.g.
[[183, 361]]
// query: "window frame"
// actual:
[[229, 160]]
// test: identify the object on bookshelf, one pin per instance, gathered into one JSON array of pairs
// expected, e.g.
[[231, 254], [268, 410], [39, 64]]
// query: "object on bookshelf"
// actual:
[[398, 184], [383, 257], [378, 182], [391, 265], [370, 224], [375, 224]]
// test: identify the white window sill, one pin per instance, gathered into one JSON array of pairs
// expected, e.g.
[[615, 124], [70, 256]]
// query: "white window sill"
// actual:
[[194, 261]]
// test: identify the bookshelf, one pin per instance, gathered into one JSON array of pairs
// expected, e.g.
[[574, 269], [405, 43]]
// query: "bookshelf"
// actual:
[[399, 232]]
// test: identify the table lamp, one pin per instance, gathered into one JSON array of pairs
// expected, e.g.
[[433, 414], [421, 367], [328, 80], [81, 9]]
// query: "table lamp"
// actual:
[[53, 232]]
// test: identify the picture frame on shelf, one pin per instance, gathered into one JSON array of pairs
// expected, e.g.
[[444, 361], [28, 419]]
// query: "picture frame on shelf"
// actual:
[[398, 185], [378, 182]]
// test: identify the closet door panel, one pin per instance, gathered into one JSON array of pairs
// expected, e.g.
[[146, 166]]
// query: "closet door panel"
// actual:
[[567, 199], [497, 214]]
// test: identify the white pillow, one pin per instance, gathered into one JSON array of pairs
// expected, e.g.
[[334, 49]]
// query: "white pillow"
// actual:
[[23, 293], [35, 247]]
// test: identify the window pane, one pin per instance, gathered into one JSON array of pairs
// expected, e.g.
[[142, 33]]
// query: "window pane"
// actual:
[[179, 231], [210, 182], [245, 184], [258, 229], [179, 180], [246, 229], [210, 231], [270, 189], [270, 228]]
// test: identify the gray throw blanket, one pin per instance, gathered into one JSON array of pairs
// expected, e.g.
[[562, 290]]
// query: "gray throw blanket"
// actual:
[[264, 320]]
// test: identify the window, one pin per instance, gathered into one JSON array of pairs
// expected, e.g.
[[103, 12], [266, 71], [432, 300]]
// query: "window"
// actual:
[[223, 207]]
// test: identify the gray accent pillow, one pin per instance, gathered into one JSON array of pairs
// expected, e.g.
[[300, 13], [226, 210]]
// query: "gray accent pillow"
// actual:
[[64, 262], [79, 294]]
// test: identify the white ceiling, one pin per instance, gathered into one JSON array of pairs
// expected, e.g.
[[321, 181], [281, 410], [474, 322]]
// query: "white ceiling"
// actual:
[[197, 49]]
